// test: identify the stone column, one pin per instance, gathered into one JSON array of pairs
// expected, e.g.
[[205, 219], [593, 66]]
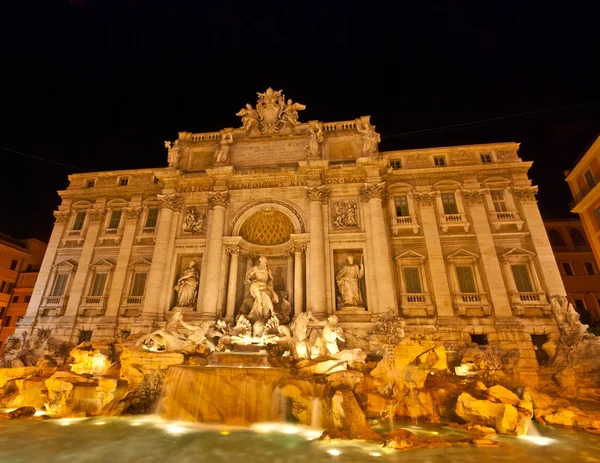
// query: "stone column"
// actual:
[[298, 279], [223, 283], [289, 283], [489, 257], [234, 252], [435, 256], [95, 217], [316, 286], [373, 194], [170, 202], [131, 218], [42, 282], [218, 202], [547, 262]]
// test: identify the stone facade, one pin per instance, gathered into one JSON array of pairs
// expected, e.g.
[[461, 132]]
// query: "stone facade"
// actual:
[[451, 239]]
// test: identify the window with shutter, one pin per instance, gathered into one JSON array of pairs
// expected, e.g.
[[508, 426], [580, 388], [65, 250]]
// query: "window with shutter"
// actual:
[[115, 218], [466, 281], [522, 280], [60, 284], [79, 219], [98, 284], [152, 217], [499, 201], [401, 206], [449, 203], [139, 284], [412, 280]]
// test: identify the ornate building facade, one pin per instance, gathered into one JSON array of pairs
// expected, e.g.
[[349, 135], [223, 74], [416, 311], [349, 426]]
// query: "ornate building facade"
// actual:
[[450, 239]]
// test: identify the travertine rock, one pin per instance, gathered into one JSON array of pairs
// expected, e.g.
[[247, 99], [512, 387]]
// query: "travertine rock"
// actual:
[[348, 378], [348, 417], [504, 418]]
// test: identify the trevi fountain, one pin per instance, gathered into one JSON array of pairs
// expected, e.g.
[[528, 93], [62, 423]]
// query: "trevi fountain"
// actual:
[[289, 363]]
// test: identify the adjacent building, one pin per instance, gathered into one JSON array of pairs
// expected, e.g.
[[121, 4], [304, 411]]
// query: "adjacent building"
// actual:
[[450, 238], [20, 261], [578, 267], [584, 180]]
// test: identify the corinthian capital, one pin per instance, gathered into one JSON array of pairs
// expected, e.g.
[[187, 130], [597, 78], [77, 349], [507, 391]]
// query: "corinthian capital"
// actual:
[[172, 201], [525, 194], [426, 198], [475, 196], [317, 193], [61, 216], [96, 214], [372, 191], [218, 199], [132, 213]]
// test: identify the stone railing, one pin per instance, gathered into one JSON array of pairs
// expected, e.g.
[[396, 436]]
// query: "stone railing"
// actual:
[[146, 233], [497, 219], [131, 306], [523, 303], [464, 301], [416, 304], [97, 301], [208, 136], [92, 306], [53, 305], [402, 223], [74, 233], [454, 220], [343, 125]]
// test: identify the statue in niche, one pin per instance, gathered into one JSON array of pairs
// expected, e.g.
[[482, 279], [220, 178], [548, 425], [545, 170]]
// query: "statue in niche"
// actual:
[[315, 138], [260, 280], [174, 153], [194, 221], [284, 311], [222, 154], [249, 117], [187, 286], [289, 115], [369, 136], [348, 279]]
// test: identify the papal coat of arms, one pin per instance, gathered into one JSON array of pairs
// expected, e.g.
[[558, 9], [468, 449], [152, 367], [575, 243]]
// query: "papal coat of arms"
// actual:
[[272, 114]]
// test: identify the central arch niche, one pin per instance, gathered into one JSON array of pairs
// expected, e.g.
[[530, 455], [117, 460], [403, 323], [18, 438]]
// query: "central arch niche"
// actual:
[[267, 227]]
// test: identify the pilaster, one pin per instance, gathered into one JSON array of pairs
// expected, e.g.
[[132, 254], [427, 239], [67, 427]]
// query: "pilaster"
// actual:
[[318, 300]]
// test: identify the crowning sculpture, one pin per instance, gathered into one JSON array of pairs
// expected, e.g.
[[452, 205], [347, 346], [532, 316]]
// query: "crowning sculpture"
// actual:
[[174, 153], [272, 113]]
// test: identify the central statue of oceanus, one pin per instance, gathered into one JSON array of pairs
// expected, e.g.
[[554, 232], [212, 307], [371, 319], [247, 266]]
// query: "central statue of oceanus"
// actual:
[[260, 280]]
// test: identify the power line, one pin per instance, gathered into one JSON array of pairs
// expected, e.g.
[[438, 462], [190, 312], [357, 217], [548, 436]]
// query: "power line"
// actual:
[[491, 120], [42, 159]]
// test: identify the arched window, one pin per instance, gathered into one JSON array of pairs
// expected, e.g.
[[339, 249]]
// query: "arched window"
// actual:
[[556, 238], [577, 237]]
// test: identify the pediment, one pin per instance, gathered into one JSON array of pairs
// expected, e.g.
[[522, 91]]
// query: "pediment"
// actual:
[[66, 264], [410, 255], [102, 263], [518, 252], [462, 254], [140, 262]]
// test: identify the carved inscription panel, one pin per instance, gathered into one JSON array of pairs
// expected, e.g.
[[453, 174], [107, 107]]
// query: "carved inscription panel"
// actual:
[[272, 152]]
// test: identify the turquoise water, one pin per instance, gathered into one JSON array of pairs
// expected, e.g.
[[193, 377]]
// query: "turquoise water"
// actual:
[[149, 439]]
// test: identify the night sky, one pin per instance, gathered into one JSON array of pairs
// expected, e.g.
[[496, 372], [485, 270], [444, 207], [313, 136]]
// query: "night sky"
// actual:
[[98, 85]]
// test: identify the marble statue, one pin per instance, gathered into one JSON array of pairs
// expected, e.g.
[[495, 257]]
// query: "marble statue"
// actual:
[[249, 117], [332, 331], [369, 136], [284, 313], [260, 280], [315, 138], [347, 280], [167, 339], [300, 344], [187, 286], [222, 153], [174, 153], [289, 115], [194, 221], [198, 334]]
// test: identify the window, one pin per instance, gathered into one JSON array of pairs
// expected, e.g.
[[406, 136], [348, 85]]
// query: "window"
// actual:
[[589, 179], [538, 341], [466, 280], [401, 206], [412, 280], [590, 268], [115, 218], [597, 215], [2, 310], [449, 203], [90, 183], [577, 237], [98, 284], [499, 201], [556, 238], [156, 180], [60, 284], [522, 279], [439, 161], [567, 269], [123, 181], [7, 320], [486, 158], [15, 299], [29, 267], [139, 284], [479, 339], [152, 217], [79, 219], [396, 164], [9, 288], [3, 286], [85, 336], [584, 314], [27, 299], [13, 264]]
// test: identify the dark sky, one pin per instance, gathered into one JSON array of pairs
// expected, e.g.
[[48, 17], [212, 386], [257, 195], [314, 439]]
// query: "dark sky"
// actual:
[[100, 84]]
